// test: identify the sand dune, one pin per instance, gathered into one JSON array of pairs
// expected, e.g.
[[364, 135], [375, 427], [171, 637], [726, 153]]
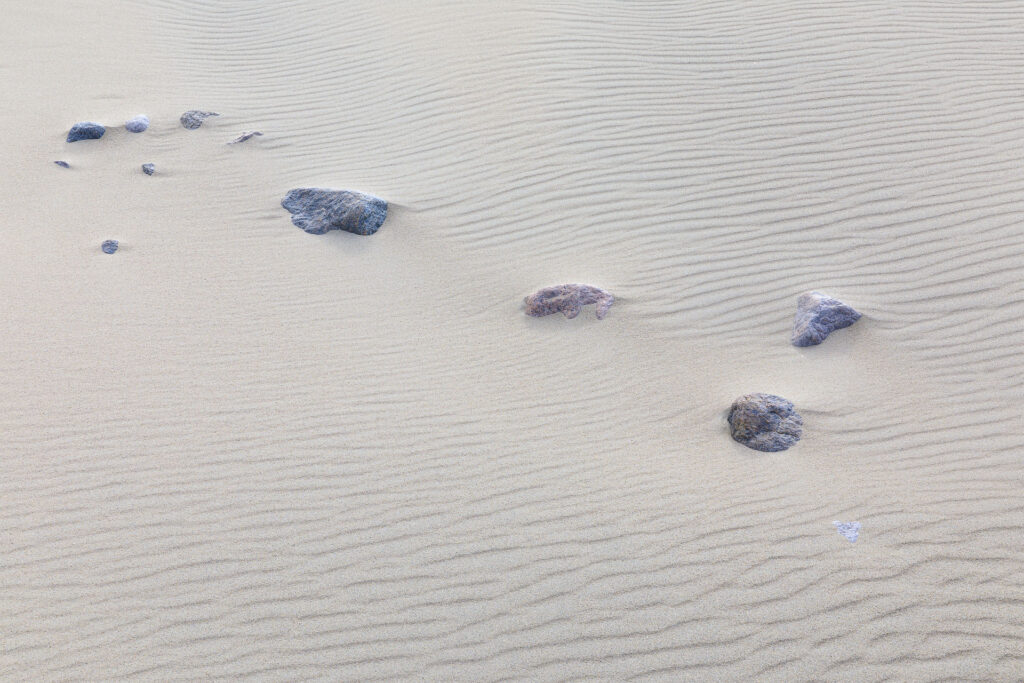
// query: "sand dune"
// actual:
[[236, 450]]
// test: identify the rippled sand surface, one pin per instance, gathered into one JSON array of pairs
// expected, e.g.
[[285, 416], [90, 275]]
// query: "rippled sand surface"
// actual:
[[234, 450]]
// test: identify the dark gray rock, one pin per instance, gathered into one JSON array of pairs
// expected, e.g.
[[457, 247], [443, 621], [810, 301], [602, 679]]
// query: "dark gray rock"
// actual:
[[137, 124], [317, 210], [109, 246], [765, 422], [569, 300], [86, 130], [194, 118], [245, 136], [63, 164], [148, 169], [817, 316]]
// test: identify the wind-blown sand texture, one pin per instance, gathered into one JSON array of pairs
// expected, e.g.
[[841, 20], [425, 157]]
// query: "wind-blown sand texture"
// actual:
[[233, 451]]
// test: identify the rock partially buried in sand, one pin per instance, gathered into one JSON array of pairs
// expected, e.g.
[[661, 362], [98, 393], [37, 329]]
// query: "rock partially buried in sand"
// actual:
[[148, 169], [569, 300], [245, 136], [63, 164], [194, 118], [109, 246], [137, 124], [765, 422], [86, 130], [317, 210], [817, 316], [848, 530]]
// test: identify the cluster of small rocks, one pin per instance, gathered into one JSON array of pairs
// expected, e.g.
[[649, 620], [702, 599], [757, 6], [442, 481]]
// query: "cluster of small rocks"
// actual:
[[190, 120]]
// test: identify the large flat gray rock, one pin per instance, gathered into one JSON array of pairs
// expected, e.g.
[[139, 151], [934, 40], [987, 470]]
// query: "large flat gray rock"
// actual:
[[819, 315], [765, 422], [317, 210], [569, 300]]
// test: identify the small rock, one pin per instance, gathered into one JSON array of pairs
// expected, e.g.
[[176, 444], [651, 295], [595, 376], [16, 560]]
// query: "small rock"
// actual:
[[63, 164], [569, 300], [817, 316], [765, 422], [316, 210], [848, 530], [148, 169], [245, 136], [86, 130], [137, 124], [194, 118], [109, 246]]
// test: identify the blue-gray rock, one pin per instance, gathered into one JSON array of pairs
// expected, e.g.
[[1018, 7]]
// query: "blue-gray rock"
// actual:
[[848, 530], [137, 124], [109, 246], [63, 164], [245, 136], [148, 169], [817, 316], [86, 130], [194, 118], [765, 422], [317, 210]]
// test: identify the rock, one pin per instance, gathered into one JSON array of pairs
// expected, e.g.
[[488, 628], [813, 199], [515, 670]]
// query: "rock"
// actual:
[[148, 169], [63, 164], [765, 422], [86, 130], [817, 316], [245, 136], [569, 300], [137, 124], [848, 530], [109, 246], [194, 118], [317, 210]]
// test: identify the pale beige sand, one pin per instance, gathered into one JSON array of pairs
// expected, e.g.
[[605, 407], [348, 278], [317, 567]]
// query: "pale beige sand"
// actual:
[[236, 450]]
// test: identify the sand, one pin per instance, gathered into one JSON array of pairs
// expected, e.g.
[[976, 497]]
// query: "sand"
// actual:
[[235, 450]]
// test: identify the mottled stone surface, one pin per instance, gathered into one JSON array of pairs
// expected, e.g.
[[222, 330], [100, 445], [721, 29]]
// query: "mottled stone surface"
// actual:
[[109, 246], [817, 316], [765, 422], [137, 124], [317, 210], [568, 299], [245, 136], [63, 164], [848, 530], [86, 130], [194, 118], [149, 169]]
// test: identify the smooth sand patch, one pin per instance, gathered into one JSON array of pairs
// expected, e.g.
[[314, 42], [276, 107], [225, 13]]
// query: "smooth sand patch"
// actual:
[[233, 449]]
